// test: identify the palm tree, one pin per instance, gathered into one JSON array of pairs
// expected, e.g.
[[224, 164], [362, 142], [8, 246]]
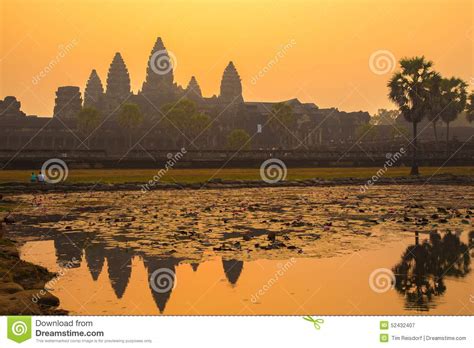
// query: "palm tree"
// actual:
[[470, 108], [88, 120], [199, 122], [436, 102], [281, 119], [409, 89], [130, 118], [455, 94], [184, 121]]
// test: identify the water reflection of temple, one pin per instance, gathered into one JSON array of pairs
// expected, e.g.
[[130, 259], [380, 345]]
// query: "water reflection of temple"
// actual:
[[117, 261], [69, 247], [119, 264], [160, 264], [232, 270], [420, 274], [95, 257]]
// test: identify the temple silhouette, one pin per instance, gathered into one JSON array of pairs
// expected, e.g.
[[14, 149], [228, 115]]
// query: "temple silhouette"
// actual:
[[228, 110]]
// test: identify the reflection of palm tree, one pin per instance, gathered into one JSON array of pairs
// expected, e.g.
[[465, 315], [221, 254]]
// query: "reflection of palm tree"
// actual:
[[119, 263], [421, 271], [152, 264], [471, 241], [232, 270], [195, 266]]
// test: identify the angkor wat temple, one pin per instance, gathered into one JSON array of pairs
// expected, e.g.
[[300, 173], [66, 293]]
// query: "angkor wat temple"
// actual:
[[312, 127]]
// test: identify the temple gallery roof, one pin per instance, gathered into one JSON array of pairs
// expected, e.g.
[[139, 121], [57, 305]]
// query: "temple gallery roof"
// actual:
[[297, 106]]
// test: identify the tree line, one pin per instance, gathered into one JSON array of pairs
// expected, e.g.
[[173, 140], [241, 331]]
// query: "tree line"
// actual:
[[185, 123], [421, 92]]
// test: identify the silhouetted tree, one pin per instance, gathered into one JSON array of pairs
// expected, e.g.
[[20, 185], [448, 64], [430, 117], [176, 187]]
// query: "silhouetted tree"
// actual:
[[409, 89], [130, 118], [455, 93], [87, 121], [436, 102], [185, 121], [470, 108], [281, 121], [385, 117], [238, 139]]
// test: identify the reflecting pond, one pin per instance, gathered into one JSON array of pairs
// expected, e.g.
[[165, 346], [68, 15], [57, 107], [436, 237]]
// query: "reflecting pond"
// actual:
[[392, 250]]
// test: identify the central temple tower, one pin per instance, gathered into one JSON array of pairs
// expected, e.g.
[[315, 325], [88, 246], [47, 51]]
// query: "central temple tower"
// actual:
[[231, 87], [159, 87]]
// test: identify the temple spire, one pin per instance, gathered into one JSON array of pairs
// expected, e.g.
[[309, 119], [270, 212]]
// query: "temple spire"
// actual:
[[231, 87], [118, 79], [193, 91], [94, 90], [159, 71]]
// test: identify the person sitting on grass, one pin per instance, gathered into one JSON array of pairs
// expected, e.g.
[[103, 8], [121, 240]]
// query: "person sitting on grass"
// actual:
[[33, 177], [40, 178]]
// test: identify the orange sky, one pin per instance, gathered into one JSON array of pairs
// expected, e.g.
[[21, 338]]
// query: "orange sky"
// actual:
[[326, 60]]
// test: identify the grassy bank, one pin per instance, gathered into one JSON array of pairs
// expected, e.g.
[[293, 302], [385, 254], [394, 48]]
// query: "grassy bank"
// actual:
[[117, 176], [22, 285]]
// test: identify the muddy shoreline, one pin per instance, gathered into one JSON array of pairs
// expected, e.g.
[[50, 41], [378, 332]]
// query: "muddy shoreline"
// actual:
[[367, 183], [22, 285]]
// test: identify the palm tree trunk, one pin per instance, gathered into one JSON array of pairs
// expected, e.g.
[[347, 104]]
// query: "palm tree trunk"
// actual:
[[414, 163], [447, 138]]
